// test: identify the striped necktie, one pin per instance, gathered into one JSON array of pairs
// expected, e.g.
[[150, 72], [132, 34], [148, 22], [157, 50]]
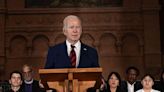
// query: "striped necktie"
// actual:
[[73, 57]]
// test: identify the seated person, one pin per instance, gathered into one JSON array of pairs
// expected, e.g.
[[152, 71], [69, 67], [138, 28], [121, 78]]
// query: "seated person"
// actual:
[[29, 84], [131, 84], [147, 82], [160, 84], [15, 82], [113, 83], [4, 85]]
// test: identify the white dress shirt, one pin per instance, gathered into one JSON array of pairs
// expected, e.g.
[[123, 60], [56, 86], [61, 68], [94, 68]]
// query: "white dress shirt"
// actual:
[[77, 50], [131, 87]]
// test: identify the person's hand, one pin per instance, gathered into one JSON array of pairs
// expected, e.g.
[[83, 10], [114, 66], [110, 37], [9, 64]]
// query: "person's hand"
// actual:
[[102, 87], [40, 84], [103, 84]]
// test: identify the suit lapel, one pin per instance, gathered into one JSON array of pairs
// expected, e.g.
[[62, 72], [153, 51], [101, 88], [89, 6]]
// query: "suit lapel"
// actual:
[[83, 54], [64, 51], [64, 54]]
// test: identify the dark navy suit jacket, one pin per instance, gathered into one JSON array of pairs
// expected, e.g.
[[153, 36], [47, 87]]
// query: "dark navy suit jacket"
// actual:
[[58, 57]]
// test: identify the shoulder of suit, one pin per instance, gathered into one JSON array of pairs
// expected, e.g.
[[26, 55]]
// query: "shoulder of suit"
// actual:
[[86, 46], [124, 82]]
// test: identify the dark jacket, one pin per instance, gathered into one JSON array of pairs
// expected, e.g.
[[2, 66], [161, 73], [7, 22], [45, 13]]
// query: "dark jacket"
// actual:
[[35, 87], [108, 89], [124, 86], [58, 57], [20, 90], [159, 85]]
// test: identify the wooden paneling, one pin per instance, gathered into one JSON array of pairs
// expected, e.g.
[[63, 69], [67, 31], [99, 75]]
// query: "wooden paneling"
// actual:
[[124, 36]]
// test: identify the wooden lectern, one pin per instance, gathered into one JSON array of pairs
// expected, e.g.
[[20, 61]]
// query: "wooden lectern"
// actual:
[[74, 79]]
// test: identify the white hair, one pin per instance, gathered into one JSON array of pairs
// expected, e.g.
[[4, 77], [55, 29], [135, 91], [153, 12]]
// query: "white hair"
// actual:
[[68, 18]]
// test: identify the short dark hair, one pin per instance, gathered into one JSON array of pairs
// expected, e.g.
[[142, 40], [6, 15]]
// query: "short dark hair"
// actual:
[[149, 76], [17, 72], [132, 68]]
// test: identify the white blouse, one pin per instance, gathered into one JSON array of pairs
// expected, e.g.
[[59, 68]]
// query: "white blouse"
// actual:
[[152, 90]]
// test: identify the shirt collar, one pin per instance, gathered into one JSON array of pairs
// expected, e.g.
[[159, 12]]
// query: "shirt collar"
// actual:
[[131, 84], [29, 82], [77, 44]]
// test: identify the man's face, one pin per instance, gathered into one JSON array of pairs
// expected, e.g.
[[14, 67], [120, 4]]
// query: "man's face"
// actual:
[[15, 80], [73, 30], [132, 76], [27, 74]]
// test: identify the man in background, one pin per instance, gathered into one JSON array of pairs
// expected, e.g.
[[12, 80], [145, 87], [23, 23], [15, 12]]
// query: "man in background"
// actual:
[[131, 84], [15, 82], [29, 84]]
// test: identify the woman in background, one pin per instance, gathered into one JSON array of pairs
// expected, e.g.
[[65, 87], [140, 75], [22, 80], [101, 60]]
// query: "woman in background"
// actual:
[[113, 83], [147, 82]]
